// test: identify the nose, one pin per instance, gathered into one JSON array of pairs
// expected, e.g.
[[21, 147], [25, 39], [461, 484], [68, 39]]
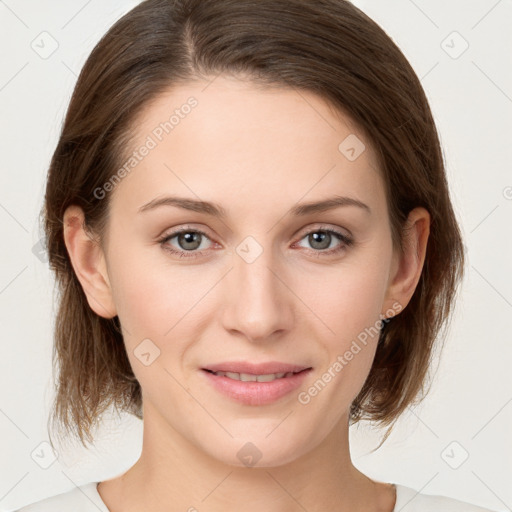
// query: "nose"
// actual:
[[258, 303]]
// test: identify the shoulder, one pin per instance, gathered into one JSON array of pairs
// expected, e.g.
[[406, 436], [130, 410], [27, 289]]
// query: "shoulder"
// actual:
[[409, 500], [79, 499]]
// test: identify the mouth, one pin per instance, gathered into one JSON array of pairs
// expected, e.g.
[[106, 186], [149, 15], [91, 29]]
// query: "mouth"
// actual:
[[249, 377], [257, 388], [253, 368]]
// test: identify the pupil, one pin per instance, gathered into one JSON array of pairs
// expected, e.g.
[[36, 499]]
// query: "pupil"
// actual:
[[189, 238], [323, 236]]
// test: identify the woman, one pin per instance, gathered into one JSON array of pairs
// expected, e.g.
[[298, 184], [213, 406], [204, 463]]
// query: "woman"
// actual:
[[248, 217]]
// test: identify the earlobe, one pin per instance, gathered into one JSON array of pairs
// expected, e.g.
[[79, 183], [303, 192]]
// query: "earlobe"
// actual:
[[88, 262], [409, 263]]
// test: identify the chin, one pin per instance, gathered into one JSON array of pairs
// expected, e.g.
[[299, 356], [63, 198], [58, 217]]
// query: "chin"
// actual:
[[257, 451]]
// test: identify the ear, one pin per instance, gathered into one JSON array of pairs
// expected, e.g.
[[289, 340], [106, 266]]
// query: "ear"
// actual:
[[88, 263], [407, 265]]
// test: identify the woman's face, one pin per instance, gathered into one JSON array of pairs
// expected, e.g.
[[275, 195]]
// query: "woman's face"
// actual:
[[266, 281]]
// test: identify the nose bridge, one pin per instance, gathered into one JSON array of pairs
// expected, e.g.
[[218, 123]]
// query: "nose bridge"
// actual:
[[257, 283], [258, 303]]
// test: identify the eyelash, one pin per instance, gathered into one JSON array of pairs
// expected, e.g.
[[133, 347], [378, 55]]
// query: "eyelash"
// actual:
[[346, 242]]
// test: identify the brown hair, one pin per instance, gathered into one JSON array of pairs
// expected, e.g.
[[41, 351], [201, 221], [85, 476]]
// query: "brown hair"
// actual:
[[328, 47]]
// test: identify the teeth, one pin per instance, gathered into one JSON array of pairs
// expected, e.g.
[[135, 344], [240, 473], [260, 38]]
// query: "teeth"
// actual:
[[247, 377]]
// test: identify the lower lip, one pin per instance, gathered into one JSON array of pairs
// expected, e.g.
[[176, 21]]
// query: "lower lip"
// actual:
[[256, 393]]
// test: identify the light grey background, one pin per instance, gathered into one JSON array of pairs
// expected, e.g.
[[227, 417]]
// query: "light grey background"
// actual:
[[468, 412]]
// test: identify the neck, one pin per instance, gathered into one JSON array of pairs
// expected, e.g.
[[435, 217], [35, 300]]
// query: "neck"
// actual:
[[172, 474]]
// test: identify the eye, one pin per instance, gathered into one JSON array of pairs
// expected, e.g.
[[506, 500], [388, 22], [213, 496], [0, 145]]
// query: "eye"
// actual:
[[321, 241], [188, 242]]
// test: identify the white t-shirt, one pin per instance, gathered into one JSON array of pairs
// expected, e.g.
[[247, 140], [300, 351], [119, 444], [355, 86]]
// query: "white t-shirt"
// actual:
[[87, 499]]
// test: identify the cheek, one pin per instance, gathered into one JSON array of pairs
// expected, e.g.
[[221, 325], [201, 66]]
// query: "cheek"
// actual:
[[348, 300], [152, 305], [351, 312], [348, 297], [148, 294]]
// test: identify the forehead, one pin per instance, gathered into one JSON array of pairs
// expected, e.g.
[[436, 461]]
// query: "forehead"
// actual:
[[235, 141]]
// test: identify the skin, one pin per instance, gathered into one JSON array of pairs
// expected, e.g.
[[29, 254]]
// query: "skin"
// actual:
[[257, 152]]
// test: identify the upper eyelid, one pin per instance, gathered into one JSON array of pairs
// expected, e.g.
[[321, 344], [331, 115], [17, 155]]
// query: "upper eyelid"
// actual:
[[325, 227]]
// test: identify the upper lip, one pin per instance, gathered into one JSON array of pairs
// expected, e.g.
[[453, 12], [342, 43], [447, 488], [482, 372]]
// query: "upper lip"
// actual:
[[255, 368]]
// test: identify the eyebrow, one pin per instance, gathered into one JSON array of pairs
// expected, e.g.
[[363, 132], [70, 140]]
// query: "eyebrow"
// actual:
[[216, 210]]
